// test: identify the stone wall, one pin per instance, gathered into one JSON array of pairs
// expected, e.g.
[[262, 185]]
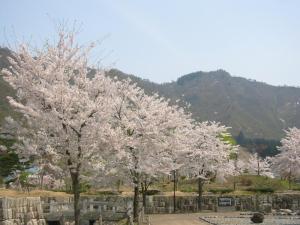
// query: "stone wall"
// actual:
[[37, 211], [164, 204], [110, 208], [21, 211], [119, 206]]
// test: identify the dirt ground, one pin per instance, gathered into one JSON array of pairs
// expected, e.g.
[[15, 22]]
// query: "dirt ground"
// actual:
[[36, 193]]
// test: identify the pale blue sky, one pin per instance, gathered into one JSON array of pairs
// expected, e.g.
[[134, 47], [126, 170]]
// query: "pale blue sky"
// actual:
[[163, 39]]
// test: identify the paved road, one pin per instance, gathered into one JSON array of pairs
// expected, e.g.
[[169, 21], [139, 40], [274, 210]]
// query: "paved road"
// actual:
[[176, 219]]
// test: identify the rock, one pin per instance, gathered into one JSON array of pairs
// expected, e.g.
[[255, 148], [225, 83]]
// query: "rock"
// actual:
[[69, 223], [257, 217], [286, 211], [266, 208]]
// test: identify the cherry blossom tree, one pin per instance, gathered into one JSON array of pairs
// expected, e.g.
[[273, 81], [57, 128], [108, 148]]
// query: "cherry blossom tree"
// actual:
[[258, 166], [176, 154], [12, 164], [239, 166], [210, 157], [146, 180], [287, 162], [151, 131], [45, 163], [63, 107]]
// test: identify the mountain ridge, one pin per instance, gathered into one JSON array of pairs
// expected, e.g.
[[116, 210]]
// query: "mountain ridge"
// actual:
[[257, 109]]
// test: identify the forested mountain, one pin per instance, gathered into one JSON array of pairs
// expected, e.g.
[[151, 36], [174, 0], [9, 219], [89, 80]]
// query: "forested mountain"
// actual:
[[257, 109], [5, 89]]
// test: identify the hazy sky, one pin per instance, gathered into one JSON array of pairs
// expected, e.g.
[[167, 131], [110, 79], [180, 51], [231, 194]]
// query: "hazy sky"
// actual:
[[163, 39]]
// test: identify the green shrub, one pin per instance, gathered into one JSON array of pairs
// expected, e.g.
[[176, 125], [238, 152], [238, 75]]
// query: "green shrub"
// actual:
[[188, 188], [152, 192], [84, 187], [182, 177], [221, 190], [262, 182], [107, 193], [246, 181], [261, 189]]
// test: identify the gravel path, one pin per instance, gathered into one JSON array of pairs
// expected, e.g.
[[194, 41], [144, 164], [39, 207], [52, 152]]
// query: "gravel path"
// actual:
[[232, 218], [176, 219]]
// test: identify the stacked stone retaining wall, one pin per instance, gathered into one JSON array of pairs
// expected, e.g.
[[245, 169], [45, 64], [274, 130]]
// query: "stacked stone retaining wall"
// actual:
[[37, 211], [164, 204], [21, 211]]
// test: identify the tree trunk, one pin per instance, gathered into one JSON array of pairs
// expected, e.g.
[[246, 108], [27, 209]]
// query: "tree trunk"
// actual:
[[76, 193], [290, 179], [136, 202], [234, 183], [174, 190], [258, 167], [42, 181], [144, 193], [144, 199], [200, 193]]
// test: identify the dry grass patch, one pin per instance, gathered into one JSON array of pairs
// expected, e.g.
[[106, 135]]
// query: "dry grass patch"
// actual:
[[33, 193]]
